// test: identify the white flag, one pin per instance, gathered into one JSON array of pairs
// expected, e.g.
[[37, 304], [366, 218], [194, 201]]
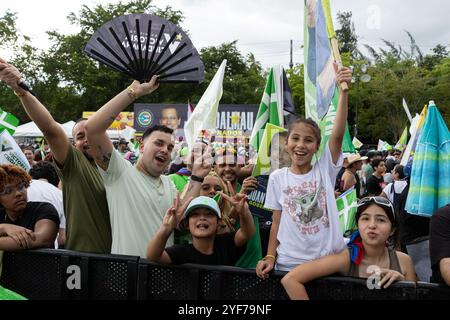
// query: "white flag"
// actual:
[[11, 153], [204, 116], [405, 106]]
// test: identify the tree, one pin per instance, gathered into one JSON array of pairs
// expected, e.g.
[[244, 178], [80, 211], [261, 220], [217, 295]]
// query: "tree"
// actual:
[[346, 35], [243, 82], [439, 53]]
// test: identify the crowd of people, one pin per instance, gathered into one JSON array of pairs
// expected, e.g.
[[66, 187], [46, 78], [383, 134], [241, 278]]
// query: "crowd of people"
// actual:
[[88, 196]]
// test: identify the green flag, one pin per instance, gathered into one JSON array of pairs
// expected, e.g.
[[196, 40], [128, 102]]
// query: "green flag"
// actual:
[[346, 204], [8, 122], [268, 109]]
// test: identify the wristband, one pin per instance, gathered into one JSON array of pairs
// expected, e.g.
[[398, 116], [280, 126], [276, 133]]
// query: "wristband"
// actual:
[[131, 93], [271, 257], [196, 178], [20, 94]]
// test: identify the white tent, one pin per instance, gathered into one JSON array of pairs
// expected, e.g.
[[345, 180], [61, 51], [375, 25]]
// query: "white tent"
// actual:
[[30, 130]]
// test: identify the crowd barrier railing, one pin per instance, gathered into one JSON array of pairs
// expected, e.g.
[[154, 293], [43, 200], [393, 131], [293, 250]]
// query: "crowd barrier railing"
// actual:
[[47, 274]]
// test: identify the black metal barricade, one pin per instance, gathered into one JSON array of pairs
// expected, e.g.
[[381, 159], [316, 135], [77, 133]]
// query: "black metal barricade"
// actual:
[[69, 275]]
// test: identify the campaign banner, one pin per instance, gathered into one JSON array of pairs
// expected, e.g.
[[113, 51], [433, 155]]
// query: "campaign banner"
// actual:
[[232, 120], [123, 120], [257, 197], [11, 153]]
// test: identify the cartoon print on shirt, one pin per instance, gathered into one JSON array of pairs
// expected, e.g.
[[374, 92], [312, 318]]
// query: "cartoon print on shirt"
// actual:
[[306, 204]]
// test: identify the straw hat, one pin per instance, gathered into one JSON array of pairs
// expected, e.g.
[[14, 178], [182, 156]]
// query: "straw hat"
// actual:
[[354, 158]]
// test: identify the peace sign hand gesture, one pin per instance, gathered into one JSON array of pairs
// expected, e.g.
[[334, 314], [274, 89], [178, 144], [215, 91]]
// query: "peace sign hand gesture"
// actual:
[[175, 213], [238, 201]]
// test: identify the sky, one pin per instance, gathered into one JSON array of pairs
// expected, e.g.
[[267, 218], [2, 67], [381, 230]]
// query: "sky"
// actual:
[[263, 27]]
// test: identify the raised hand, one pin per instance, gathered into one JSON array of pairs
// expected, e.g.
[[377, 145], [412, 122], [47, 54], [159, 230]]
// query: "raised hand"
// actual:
[[10, 75], [202, 160], [175, 213], [249, 184], [343, 74]]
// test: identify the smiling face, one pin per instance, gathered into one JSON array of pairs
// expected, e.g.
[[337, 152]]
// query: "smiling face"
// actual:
[[227, 168], [374, 226], [203, 223], [156, 152], [302, 144], [80, 139]]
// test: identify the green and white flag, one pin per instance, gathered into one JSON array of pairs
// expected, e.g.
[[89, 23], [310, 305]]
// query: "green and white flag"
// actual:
[[270, 109], [8, 122], [403, 141], [326, 128], [11, 153], [346, 205]]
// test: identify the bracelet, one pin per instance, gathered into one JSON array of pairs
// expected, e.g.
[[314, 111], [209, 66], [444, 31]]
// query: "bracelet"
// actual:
[[20, 94], [131, 93], [271, 257], [196, 178]]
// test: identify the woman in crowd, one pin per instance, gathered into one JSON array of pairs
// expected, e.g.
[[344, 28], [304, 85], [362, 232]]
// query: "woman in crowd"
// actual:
[[367, 256]]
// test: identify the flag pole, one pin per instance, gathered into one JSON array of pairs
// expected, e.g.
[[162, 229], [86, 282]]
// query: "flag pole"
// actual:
[[333, 39]]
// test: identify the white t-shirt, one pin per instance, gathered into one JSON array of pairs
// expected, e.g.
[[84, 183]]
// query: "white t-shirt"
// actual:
[[306, 236], [398, 187], [42, 191], [137, 204]]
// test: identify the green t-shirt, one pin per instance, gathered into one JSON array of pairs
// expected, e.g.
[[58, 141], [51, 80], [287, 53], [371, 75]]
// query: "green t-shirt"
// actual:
[[253, 253], [88, 226]]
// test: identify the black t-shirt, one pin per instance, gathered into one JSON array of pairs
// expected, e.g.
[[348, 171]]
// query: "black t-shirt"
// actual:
[[225, 252], [34, 212], [374, 185], [439, 240]]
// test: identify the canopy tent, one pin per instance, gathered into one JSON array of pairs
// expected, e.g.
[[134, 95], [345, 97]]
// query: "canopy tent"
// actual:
[[30, 130]]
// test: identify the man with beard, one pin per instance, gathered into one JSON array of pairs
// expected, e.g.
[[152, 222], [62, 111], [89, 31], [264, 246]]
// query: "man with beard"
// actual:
[[139, 196], [87, 217]]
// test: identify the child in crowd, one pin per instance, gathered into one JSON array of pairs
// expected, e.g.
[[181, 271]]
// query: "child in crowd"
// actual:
[[202, 217], [305, 223], [367, 253]]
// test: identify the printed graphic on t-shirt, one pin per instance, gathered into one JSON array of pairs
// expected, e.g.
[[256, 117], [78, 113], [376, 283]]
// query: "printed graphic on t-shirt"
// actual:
[[307, 207]]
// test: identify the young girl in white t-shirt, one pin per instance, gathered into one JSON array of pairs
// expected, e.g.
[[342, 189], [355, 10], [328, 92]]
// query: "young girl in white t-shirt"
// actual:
[[305, 223]]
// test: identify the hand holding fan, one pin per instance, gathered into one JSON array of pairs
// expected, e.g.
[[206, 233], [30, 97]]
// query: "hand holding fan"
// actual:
[[143, 45]]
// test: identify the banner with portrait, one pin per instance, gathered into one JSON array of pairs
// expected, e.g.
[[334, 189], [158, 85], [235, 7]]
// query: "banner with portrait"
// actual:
[[233, 121]]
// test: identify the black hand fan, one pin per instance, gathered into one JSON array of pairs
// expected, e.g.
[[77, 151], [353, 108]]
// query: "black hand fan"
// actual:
[[142, 45]]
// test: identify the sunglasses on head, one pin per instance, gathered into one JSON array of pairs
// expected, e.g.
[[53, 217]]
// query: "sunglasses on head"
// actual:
[[382, 201]]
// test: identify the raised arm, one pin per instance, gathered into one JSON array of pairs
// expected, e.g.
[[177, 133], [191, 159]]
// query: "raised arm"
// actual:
[[53, 132], [97, 125], [295, 280], [156, 246], [337, 135], [247, 228]]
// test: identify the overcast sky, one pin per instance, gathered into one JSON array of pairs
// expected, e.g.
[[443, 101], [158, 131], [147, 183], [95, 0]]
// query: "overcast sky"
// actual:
[[263, 27]]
